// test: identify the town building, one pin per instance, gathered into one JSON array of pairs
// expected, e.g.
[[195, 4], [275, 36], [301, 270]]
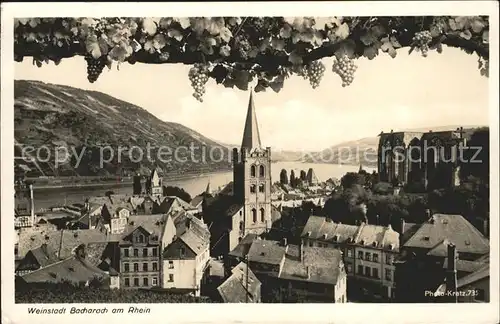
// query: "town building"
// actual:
[[368, 251], [429, 159], [154, 183], [24, 209], [423, 254], [294, 273], [186, 255], [242, 286]]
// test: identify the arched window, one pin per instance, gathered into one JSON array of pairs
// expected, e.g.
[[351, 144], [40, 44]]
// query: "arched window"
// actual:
[[254, 215], [252, 171], [252, 188], [261, 188], [262, 215], [262, 172]]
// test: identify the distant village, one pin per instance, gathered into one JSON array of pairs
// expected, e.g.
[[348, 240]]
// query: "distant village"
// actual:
[[251, 241]]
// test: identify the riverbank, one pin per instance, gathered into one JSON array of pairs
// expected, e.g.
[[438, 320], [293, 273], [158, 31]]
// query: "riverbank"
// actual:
[[120, 183]]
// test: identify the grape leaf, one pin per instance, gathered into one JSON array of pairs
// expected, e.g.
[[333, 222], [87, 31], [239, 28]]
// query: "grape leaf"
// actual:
[[159, 41], [477, 25], [453, 24], [295, 58], [286, 31], [33, 22], [253, 52], [92, 46], [326, 22], [395, 43], [149, 47], [214, 25], [198, 25], [311, 36], [225, 34], [377, 31], [462, 22], [370, 52], [241, 79], [30, 37], [225, 50], [176, 34], [368, 38], [435, 31], [184, 22], [466, 34], [278, 44], [121, 52], [387, 47], [219, 73], [342, 31], [207, 44], [149, 26], [277, 83], [233, 21], [23, 21], [346, 48], [165, 22], [74, 30]]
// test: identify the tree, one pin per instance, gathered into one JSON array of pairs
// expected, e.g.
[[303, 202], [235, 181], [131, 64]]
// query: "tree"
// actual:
[[283, 177], [293, 180], [351, 179], [303, 175], [235, 51], [176, 192]]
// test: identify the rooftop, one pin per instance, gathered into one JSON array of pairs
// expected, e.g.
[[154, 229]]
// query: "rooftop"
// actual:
[[264, 251], [242, 284]]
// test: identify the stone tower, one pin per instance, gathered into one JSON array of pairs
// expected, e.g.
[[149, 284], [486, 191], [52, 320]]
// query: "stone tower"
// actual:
[[252, 176]]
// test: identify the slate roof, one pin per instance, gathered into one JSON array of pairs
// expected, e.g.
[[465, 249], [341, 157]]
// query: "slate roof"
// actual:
[[453, 228], [196, 201], [241, 250], [63, 241], [228, 189], [70, 269], [320, 228], [481, 273], [323, 265], [44, 255], [236, 289], [195, 242], [466, 265], [268, 252], [408, 230], [153, 224]]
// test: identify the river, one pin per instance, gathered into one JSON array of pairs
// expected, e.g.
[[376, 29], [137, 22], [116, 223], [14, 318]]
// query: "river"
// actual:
[[45, 198]]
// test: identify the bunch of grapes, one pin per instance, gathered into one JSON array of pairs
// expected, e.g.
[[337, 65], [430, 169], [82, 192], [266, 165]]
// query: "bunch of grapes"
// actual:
[[198, 75], [345, 68], [422, 40], [300, 70], [94, 67], [314, 72], [243, 46]]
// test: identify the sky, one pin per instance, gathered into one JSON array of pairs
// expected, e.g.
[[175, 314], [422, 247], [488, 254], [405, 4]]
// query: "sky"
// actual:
[[407, 92]]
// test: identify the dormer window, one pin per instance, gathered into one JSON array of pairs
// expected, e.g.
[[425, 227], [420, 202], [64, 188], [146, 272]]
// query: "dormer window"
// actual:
[[325, 236], [308, 234], [426, 238], [374, 244]]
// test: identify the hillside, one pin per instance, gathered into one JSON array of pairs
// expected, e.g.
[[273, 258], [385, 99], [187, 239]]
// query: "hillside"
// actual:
[[364, 150], [48, 115]]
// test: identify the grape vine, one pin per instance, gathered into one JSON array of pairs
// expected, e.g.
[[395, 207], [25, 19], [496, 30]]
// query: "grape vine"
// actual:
[[241, 49]]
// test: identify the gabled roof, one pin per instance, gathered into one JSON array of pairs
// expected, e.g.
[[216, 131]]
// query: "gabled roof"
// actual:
[[241, 286], [320, 265], [268, 252], [454, 228], [44, 255], [72, 269], [152, 224], [195, 242], [241, 250]]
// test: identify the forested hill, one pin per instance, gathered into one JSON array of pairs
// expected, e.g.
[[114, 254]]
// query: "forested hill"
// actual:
[[48, 115]]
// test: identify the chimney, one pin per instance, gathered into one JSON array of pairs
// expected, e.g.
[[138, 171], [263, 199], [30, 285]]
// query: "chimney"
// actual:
[[402, 226], [301, 251], [451, 273]]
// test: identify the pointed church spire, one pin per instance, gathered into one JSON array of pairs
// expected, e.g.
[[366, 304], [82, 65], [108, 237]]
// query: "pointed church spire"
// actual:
[[251, 136], [208, 190]]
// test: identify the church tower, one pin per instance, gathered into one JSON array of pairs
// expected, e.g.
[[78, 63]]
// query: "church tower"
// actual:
[[252, 176]]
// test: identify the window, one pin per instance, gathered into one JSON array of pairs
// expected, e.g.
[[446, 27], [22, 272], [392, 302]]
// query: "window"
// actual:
[[139, 238], [360, 269], [252, 188], [154, 281], [375, 257], [171, 278], [254, 215], [145, 252], [136, 252], [367, 271], [262, 172], [144, 266], [368, 256], [126, 267], [479, 295], [136, 282], [136, 267], [349, 253], [252, 171], [388, 274], [261, 188], [155, 252], [375, 272], [182, 251], [349, 268], [170, 264], [127, 282], [155, 266], [388, 259], [311, 243], [262, 215], [360, 255], [145, 282], [125, 252]]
